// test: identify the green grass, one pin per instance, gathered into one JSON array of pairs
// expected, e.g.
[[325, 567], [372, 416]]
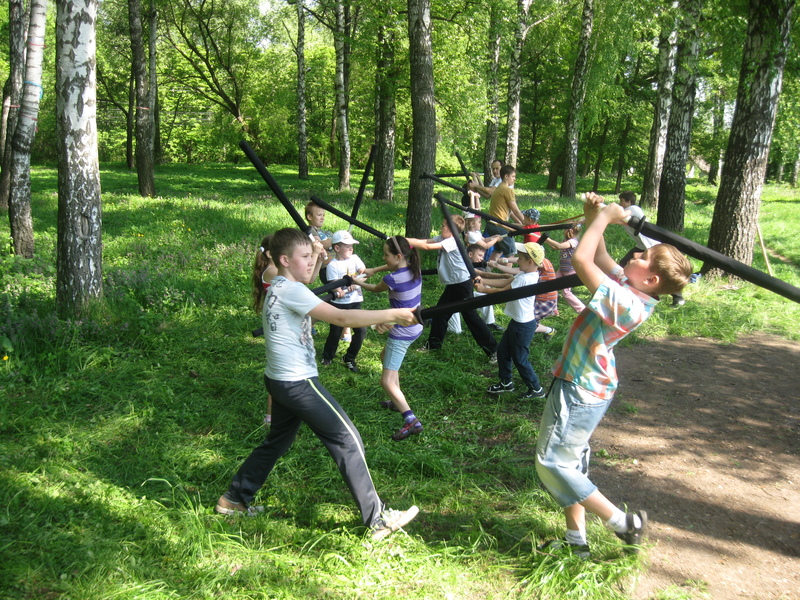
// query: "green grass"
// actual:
[[120, 430]]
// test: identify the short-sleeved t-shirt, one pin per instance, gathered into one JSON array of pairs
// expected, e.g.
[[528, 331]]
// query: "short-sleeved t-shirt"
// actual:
[[287, 331], [337, 269], [404, 292], [451, 266], [499, 201], [614, 311], [522, 310], [565, 257]]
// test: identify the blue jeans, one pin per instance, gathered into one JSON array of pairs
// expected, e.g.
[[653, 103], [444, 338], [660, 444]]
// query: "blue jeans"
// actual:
[[514, 349], [571, 415]]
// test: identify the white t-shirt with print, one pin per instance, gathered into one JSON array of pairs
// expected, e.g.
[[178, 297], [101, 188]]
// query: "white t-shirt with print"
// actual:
[[337, 269], [522, 310], [287, 331]]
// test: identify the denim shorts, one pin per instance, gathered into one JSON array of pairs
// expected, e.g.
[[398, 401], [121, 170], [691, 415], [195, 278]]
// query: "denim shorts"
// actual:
[[394, 353], [571, 415]]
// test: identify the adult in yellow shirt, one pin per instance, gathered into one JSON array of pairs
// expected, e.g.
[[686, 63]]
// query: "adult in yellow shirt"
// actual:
[[502, 203]]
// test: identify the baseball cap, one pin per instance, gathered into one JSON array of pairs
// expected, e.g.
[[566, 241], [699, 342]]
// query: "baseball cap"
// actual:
[[533, 250], [532, 213], [343, 237]]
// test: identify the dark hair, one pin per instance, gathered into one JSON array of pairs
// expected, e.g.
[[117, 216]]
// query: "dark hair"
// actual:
[[284, 241], [628, 196], [397, 244], [506, 170], [260, 264], [475, 248]]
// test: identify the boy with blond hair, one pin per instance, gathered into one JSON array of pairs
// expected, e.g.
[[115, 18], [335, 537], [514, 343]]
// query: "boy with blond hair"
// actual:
[[298, 396], [586, 377]]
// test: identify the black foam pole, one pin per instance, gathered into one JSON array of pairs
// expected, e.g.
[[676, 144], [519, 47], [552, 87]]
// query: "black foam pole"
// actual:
[[332, 285], [348, 218], [716, 259], [463, 166], [273, 185], [462, 250], [499, 297], [364, 180]]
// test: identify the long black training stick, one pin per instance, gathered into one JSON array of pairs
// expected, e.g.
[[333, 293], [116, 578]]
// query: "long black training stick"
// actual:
[[456, 236], [362, 187], [273, 185], [348, 218], [423, 314], [717, 259]]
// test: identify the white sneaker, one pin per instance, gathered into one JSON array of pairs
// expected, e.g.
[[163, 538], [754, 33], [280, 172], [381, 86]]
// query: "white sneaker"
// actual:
[[391, 521]]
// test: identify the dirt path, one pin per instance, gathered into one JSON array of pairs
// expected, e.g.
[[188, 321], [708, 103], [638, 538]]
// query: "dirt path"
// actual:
[[706, 438]]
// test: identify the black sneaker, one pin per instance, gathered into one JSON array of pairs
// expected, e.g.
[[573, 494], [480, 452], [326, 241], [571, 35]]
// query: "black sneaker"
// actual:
[[633, 536], [582, 551], [532, 393], [496, 327], [390, 405], [325, 362], [350, 365], [549, 335], [499, 388], [493, 358]]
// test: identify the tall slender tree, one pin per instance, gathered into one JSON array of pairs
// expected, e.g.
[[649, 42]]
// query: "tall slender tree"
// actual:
[[19, 204], [300, 54], [493, 114], [577, 97], [515, 82], [667, 49], [736, 211], [79, 278], [386, 110], [145, 163], [423, 107], [17, 30], [672, 188], [340, 43]]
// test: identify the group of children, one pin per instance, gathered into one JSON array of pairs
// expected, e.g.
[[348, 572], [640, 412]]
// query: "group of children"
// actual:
[[584, 376]]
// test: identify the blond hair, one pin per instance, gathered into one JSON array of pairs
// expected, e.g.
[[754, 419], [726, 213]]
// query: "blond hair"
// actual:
[[672, 267]]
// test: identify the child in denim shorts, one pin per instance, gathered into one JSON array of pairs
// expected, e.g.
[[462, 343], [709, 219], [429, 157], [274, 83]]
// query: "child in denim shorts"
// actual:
[[586, 377]]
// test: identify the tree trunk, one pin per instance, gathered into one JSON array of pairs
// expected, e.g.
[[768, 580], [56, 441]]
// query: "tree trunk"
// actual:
[[17, 29], [493, 120], [671, 192], [145, 169], [667, 49], [385, 138], [423, 109], [717, 119], [600, 150], [130, 122], [300, 52], [155, 121], [796, 171], [623, 146], [515, 83], [733, 226], [341, 98], [79, 278], [573, 130], [19, 199]]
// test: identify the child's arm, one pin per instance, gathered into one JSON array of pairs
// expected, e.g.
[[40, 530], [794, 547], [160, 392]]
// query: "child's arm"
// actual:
[[591, 260], [424, 244], [369, 272], [498, 285], [488, 242], [557, 245], [371, 287], [503, 267], [318, 250], [360, 317], [490, 275]]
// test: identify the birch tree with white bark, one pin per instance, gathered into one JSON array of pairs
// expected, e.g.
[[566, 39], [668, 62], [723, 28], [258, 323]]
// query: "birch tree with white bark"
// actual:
[[79, 248]]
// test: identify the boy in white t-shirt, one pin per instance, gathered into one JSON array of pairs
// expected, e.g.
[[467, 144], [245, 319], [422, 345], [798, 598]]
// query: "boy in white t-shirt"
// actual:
[[514, 346], [298, 396], [347, 298]]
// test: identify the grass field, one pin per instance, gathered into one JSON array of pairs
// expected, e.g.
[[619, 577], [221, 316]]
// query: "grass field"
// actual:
[[119, 431]]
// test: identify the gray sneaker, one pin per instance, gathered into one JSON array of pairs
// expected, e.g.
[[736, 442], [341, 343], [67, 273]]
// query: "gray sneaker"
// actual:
[[392, 520], [582, 551]]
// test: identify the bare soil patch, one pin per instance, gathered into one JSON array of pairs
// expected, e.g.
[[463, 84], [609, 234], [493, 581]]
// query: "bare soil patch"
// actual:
[[705, 436]]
